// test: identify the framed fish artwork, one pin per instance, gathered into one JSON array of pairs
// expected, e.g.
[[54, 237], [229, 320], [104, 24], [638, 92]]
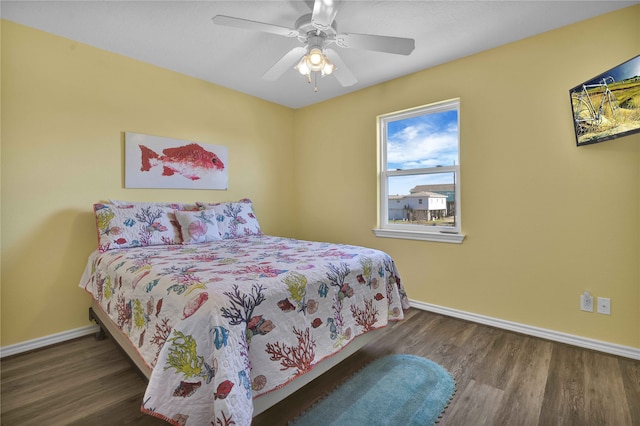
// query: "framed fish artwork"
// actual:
[[158, 162]]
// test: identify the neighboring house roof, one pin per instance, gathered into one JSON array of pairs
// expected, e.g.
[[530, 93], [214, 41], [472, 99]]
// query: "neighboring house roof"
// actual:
[[435, 187], [425, 194]]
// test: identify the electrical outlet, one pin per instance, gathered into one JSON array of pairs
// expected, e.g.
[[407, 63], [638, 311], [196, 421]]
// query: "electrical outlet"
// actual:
[[604, 305], [586, 302]]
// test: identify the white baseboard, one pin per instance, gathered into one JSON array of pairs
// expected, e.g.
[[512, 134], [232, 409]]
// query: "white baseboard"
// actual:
[[41, 342], [583, 342]]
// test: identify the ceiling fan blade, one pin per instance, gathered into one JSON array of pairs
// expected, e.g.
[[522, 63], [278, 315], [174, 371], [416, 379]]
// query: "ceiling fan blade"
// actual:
[[246, 24], [324, 12], [397, 45], [343, 74], [284, 64]]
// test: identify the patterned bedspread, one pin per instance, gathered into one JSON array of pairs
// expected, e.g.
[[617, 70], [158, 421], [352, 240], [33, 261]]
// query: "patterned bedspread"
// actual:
[[223, 322]]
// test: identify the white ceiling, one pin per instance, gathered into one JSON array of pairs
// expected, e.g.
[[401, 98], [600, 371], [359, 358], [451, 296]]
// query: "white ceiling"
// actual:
[[180, 36]]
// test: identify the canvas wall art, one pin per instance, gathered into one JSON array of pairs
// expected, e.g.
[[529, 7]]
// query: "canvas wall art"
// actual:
[[158, 162], [608, 105]]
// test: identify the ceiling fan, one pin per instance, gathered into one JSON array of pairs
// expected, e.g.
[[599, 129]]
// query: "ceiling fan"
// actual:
[[316, 31]]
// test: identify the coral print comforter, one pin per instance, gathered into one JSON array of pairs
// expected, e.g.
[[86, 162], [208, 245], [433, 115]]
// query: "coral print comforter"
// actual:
[[226, 321]]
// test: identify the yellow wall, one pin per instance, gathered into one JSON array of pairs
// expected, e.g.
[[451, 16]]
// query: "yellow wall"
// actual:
[[544, 220], [535, 240], [65, 107]]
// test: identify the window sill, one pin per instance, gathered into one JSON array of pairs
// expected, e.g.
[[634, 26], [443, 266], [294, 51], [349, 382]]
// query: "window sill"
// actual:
[[440, 237]]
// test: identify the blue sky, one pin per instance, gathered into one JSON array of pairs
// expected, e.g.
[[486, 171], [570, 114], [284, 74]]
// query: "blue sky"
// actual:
[[420, 142], [629, 69]]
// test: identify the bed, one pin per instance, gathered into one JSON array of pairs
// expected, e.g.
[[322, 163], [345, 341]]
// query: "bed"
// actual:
[[222, 319]]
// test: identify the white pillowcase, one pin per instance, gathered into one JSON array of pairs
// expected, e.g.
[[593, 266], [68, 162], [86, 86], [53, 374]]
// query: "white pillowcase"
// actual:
[[235, 219], [139, 225], [198, 227]]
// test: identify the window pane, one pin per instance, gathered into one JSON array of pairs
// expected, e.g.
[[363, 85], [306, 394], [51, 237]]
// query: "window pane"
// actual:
[[424, 141], [419, 173], [427, 199]]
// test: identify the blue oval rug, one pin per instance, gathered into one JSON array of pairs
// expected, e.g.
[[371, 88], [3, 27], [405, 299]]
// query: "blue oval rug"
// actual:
[[393, 390]]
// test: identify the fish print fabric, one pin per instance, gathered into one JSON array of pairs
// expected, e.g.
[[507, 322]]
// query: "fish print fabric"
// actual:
[[198, 227], [226, 321], [235, 219], [135, 225]]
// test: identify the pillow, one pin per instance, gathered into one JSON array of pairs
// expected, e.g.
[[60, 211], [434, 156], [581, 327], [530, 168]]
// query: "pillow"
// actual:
[[235, 219], [198, 227], [135, 225]]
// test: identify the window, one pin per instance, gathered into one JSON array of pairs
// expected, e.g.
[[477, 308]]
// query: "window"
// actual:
[[419, 173]]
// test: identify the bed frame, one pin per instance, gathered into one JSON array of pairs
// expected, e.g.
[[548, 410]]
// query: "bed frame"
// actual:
[[260, 403]]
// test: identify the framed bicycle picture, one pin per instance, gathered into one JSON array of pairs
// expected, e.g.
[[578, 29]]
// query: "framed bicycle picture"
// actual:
[[608, 105]]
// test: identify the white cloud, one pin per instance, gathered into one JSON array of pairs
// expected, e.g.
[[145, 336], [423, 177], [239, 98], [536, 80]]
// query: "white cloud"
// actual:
[[421, 146]]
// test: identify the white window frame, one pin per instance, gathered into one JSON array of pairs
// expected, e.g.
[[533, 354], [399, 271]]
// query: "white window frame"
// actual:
[[385, 229]]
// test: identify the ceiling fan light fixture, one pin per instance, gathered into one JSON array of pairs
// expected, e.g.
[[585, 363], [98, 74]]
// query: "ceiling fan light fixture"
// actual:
[[315, 61], [302, 67], [328, 67]]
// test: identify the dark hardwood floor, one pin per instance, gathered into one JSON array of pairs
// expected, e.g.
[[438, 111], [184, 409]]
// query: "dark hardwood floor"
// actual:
[[503, 378]]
